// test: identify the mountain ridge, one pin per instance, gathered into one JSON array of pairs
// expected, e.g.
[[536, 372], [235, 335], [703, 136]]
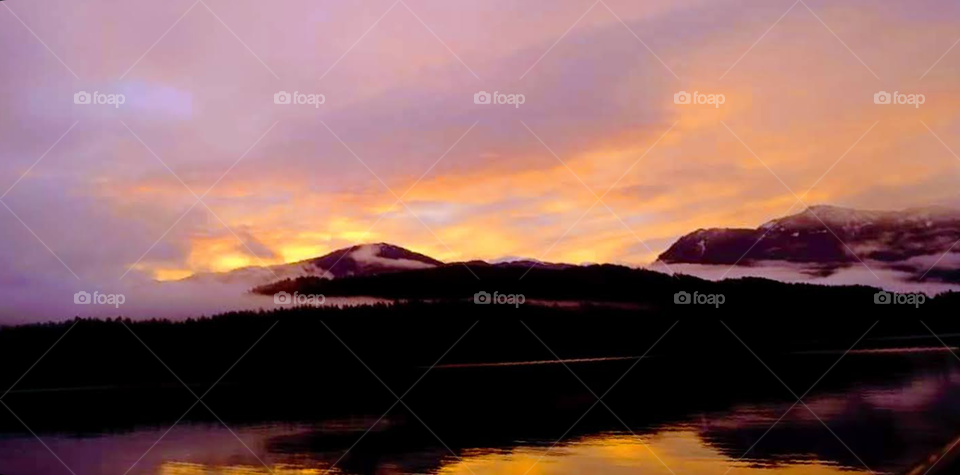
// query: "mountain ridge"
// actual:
[[359, 259], [828, 236], [825, 237]]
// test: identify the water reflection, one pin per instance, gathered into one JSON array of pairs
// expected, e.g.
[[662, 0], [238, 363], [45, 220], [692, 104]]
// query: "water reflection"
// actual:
[[183, 468], [888, 427], [683, 451]]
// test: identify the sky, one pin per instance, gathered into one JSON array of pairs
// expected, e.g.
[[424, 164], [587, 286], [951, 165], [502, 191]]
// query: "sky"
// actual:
[[598, 164]]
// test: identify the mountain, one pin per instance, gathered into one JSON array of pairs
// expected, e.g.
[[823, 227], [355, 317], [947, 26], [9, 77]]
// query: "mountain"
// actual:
[[829, 237], [364, 259], [517, 262], [823, 239], [368, 259], [360, 260]]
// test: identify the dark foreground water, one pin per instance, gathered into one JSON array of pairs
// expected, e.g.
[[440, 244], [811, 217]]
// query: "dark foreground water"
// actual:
[[884, 412]]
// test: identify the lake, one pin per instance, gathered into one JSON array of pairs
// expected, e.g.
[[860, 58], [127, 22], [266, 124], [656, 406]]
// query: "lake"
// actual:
[[879, 411]]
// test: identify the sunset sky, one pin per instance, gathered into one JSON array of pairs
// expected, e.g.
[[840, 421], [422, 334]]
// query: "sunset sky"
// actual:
[[399, 80]]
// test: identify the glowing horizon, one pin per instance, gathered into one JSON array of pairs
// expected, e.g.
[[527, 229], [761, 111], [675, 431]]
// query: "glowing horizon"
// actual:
[[289, 182]]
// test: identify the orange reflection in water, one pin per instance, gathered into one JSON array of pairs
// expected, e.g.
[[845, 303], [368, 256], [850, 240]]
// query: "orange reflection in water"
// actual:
[[181, 468], [682, 451]]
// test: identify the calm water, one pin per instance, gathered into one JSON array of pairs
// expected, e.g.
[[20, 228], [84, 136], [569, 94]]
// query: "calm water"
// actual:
[[891, 424]]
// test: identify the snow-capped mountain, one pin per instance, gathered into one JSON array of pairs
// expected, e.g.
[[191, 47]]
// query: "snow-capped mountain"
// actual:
[[368, 259], [360, 260], [364, 259], [827, 236]]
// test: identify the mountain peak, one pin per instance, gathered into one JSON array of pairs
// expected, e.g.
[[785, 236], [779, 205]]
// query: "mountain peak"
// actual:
[[360, 259], [818, 215], [373, 258], [825, 234]]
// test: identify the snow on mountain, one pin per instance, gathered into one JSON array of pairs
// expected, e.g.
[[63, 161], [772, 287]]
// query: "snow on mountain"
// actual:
[[830, 237], [363, 259]]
